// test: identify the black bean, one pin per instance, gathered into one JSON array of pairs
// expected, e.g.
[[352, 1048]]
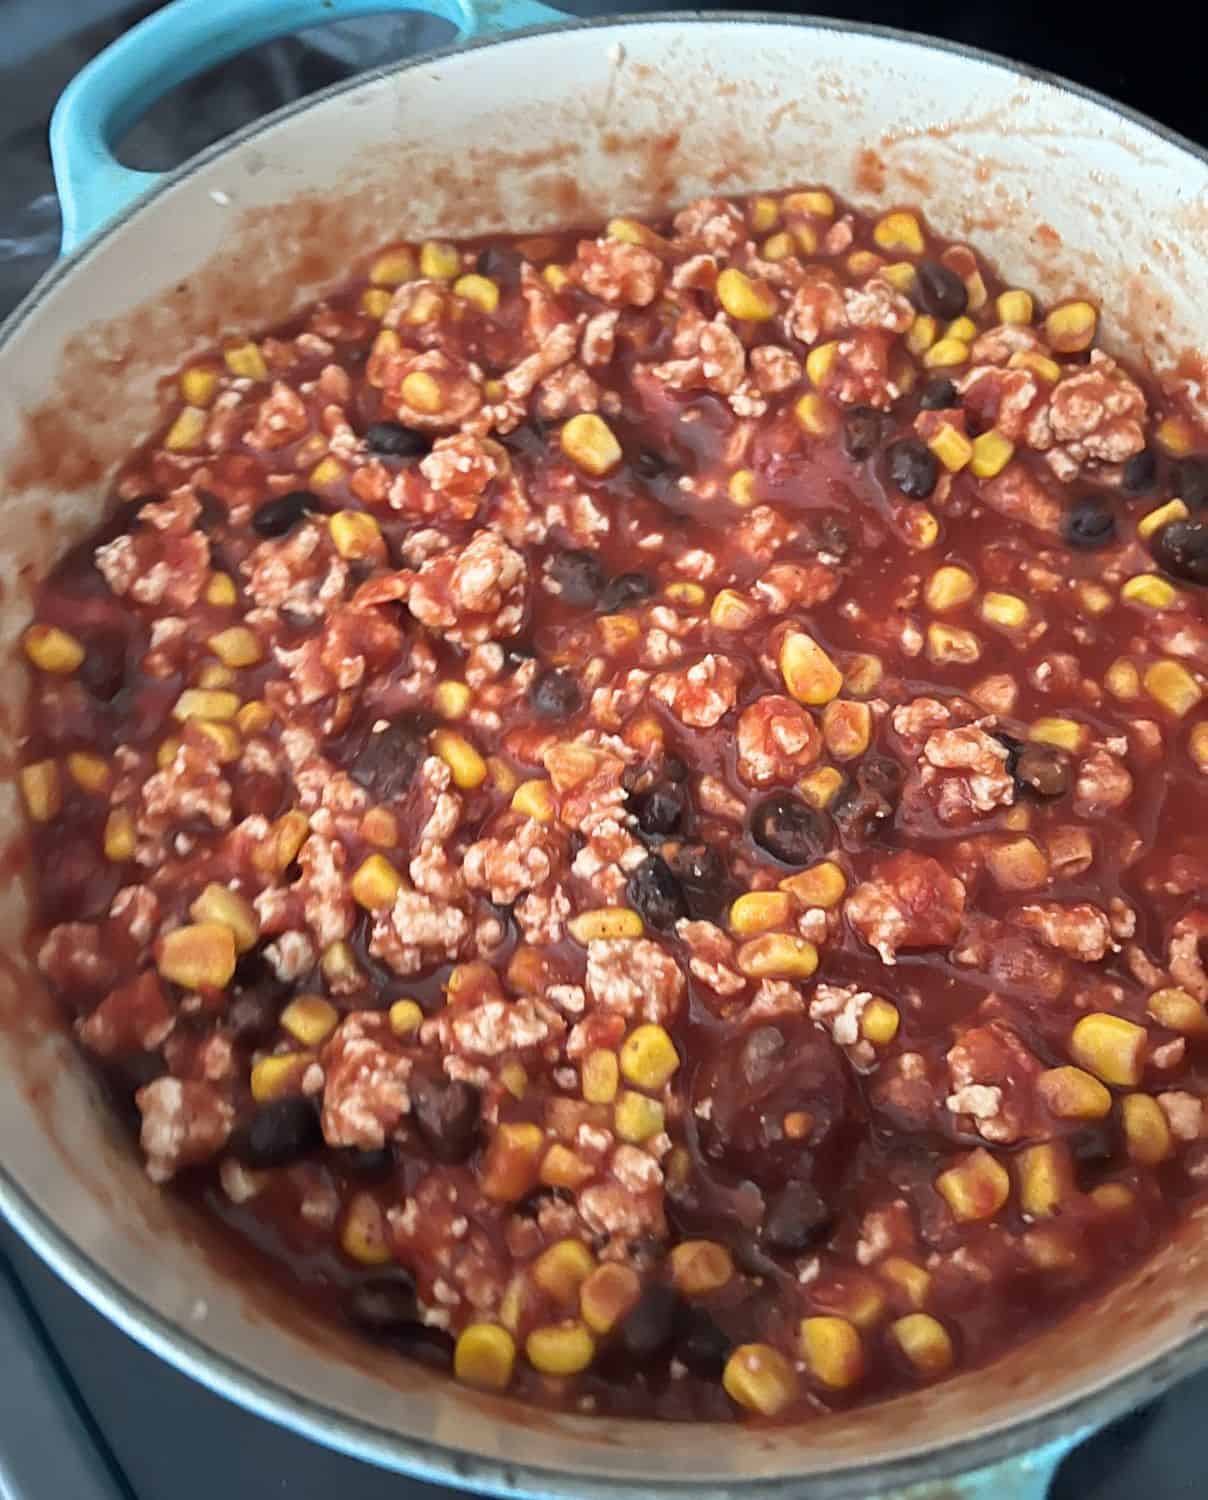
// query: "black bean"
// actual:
[[623, 590], [1090, 522], [939, 291], [863, 429], [1042, 769], [759, 1055], [388, 759], [789, 829], [703, 880], [656, 894], [648, 1326], [503, 264], [912, 467], [1140, 472], [517, 652], [649, 464], [938, 395], [869, 802], [555, 695], [103, 670], [393, 440], [280, 516], [384, 1306], [660, 809], [213, 512], [446, 1114], [831, 534], [1092, 1145], [700, 1344], [1181, 549], [579, 577], [281, 1131], [364, 1163], [1191, 483], [796, 1219], [252, 1017]]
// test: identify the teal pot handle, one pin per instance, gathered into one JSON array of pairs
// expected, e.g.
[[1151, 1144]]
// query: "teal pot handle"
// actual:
[[183, 39], [1027, 1476]]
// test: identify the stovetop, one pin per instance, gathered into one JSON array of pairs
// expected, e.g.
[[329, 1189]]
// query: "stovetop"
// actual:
[[86, 1414]]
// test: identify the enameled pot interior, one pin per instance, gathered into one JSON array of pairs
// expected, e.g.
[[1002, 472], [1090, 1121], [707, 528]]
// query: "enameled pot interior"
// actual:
[[562, 127]]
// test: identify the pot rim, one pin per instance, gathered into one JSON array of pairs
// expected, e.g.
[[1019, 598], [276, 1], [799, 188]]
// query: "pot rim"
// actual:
[[438, 1463]]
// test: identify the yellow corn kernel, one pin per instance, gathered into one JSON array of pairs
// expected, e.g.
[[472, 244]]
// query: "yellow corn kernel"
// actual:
[[385, 344], [920, 528], [975, 1188], [636, 1118], [451, 699], [949, 587], [1111, 1048], [52, 650], [393, 267], [1064, 734], [648, 1058], [1039, 364], [962, 328], [1178, 1010], [1150, 591], [217, 903], [89, 772], [777, 955], [1071, 328], [909, 1279], [310, 1019], [205, 703], [821, 885], [275, 1077], [236, 647], [555, 277], [562, 1269], [560, 1349], [246, 361], [221, 590], [921, 334], [588, 441], [900, 275], [949, 643], [820, 361], [1017, 818], [1146, 1134], [376, 300], [1175, 436], [355, 534], [630, 232], [731, 611], [41, 790], [618, 632], [858, 1299], [286, 837], [879, 1022], [749, 301], [376, 883], [365, 1236], [1072, 1094], [405, 1017], [512, 1162], [503, 779], [198, 384], [339, 967], [808, 672], [813, 201], [899, 231], [1008, 611], [677, 1169], [187, 431], [484, 1357], [1015, 307], [1045, 1178], [604, 924], [1094, 598], [1197, 747], [863, 675], [1018, 865], [468, 767], [832, 1350], [562, 1168], [600, 1076], [607, 1295], [119, 839], [535, 800], [514, 1077], [481, 291], [439, 261], [760, 911], [1050, 1248], [815, 414], [991, 454], [863, 263], [741, 488], [846, 728], [699, 1267], [778, 246], [198, 957], [760, 1378], [1172, 685], [214, 675], [924, 1342], [820, 787], [422, 392], [1113, 1197], [764, 213], [683, 592], [1173, 510], [946, 353], [952, 448]]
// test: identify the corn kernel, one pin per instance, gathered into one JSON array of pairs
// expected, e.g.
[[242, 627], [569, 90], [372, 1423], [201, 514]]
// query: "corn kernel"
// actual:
[[921, 334], [481, 291], [221, 590], [764, 213], [821, 885], [846, 728], [857, 1298], [439, 261], [246, 361], [468, 767], [1173, 510], [778, 247], [1113, 1197], [777, 955], [405, 1017], [636, 1118], [514, 1077], [502, 777], [899, 231], [376, 300], [731, 611], [760, 1378], [819, 362], [217, 903], [741, 488], [1175, 436], [214, 675], [820, 787], [1111, 1048], [52, 650], [618, 632], [562, 1269], [925, 1343], [275, 1077], [1197, 747], [864, 263], [812, 201], [1071, 328], [1005, 610], [1094, 598], [815, 414], [975, 1188], [1150, 591], [286, 838], [355, 534], [949, 643], [907, 1278], [555, 277], [808, 672], [365, 1236], [600, 1076], [310, 1019], [512, 1161], [198, 957], [187, 431], [1015, 307], [952, 448], [607, 1295], [900, 275], [1146, 1134], [946, 353], [991, 454], [749, 301], [41, 790], [119, 839], [1172, 685], [588, 441], [879, 1022], [683, 592], [204, 703], [89, 772], [534, 799], [605, 923], [1178, 1010], [376, 883], [699, 1267], [198, 384], [339, 966], [1039, 364], [760, 911], [236, 647], [484, 1357], [1050, 1248], [948, 588], [562, 1349], [1045, 1179], [863, 675], [1064, 734], [962, 328], [648, 1058], [422, 392], [385, 345], [393, 267], [562, 1168], [451, 699]]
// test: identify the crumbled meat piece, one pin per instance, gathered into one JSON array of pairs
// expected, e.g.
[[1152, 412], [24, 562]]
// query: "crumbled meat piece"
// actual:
[[419, 932], [136, 1017], [981, 781], [617, 272], [636, 977], [1082, 931], [365, 1093], [183, 1123], [474, 594], [992, 1080], [777, 741], [1103, 784], [702, 694], [910, 902], [507, 867]]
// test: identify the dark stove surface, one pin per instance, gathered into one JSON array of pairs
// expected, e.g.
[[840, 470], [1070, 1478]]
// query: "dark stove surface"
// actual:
[[85, 1414]]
